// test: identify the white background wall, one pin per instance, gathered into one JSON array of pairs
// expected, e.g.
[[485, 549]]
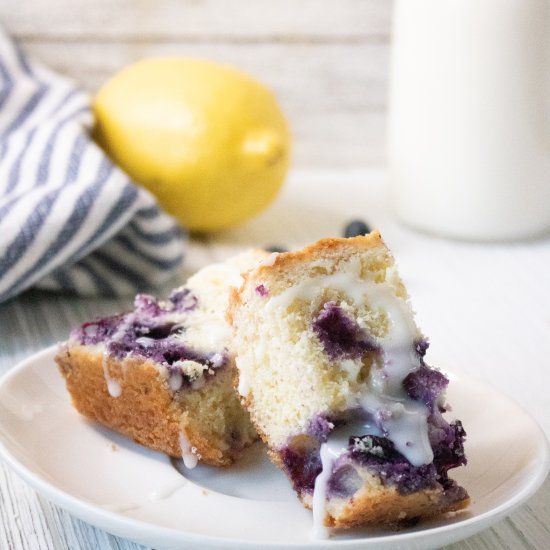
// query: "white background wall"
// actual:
[[327, 60]]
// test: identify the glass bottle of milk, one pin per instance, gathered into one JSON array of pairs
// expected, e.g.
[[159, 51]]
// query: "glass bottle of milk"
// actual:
[[469, 124]]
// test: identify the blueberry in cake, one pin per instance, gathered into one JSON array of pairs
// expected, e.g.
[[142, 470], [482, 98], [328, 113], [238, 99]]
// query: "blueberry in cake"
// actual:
[[162, 373], [331, 368]]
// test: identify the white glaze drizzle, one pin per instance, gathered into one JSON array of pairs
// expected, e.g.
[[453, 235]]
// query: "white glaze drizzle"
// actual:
[[269, 261], [404, 420], [155, 495], [383, 395], [244, 386], [113, 386], [145, 341], [188, 453], [166, 492], [175, 380], [336, 444], [217, 360], [123, 327], [320, 492]]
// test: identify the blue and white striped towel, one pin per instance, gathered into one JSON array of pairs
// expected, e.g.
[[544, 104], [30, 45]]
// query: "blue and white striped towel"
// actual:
[[69, 218]]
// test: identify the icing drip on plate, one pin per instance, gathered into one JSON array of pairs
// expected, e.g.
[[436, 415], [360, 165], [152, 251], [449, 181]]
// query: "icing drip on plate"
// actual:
[[188, 453]]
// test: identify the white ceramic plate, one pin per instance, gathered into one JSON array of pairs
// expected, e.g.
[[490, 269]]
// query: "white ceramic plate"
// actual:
[[144, 496]]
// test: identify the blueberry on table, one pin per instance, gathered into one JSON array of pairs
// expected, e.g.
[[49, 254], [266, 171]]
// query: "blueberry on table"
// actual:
[[356, 228], [275, 248]]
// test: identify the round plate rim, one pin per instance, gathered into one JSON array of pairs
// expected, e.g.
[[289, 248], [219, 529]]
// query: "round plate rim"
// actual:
[[86, 510]]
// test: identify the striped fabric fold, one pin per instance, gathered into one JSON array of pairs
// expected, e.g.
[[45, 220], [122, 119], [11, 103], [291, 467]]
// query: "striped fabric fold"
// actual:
[[70, 220]]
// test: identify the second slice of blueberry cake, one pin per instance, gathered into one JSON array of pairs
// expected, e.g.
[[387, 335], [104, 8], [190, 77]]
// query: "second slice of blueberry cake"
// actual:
[[162, 373], [331, 367]]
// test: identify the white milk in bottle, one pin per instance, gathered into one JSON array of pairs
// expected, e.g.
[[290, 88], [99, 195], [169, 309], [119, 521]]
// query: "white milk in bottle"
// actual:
[[469, 125]]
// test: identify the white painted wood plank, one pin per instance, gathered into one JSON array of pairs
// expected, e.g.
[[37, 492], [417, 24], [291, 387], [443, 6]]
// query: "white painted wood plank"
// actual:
[[533, 519], [23, 524], [76, 534], [344, 140], [327, 60], [333, 94], [122, 20], [317, 77]]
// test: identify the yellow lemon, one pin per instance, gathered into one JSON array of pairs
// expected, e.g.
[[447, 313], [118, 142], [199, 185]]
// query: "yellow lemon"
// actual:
[[209, 141]]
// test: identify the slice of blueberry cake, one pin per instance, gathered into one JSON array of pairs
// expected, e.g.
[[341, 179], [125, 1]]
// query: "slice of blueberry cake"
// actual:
[[162, 373], [331, 367]]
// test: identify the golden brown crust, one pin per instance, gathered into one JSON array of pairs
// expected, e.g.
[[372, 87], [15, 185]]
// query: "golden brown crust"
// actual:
[[378, 504], [343, 247], [146, 411], [388, 507], [283, 262], [335, 249]]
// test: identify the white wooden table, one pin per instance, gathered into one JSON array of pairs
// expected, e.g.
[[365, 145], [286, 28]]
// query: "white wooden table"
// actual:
[[486, 309]]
